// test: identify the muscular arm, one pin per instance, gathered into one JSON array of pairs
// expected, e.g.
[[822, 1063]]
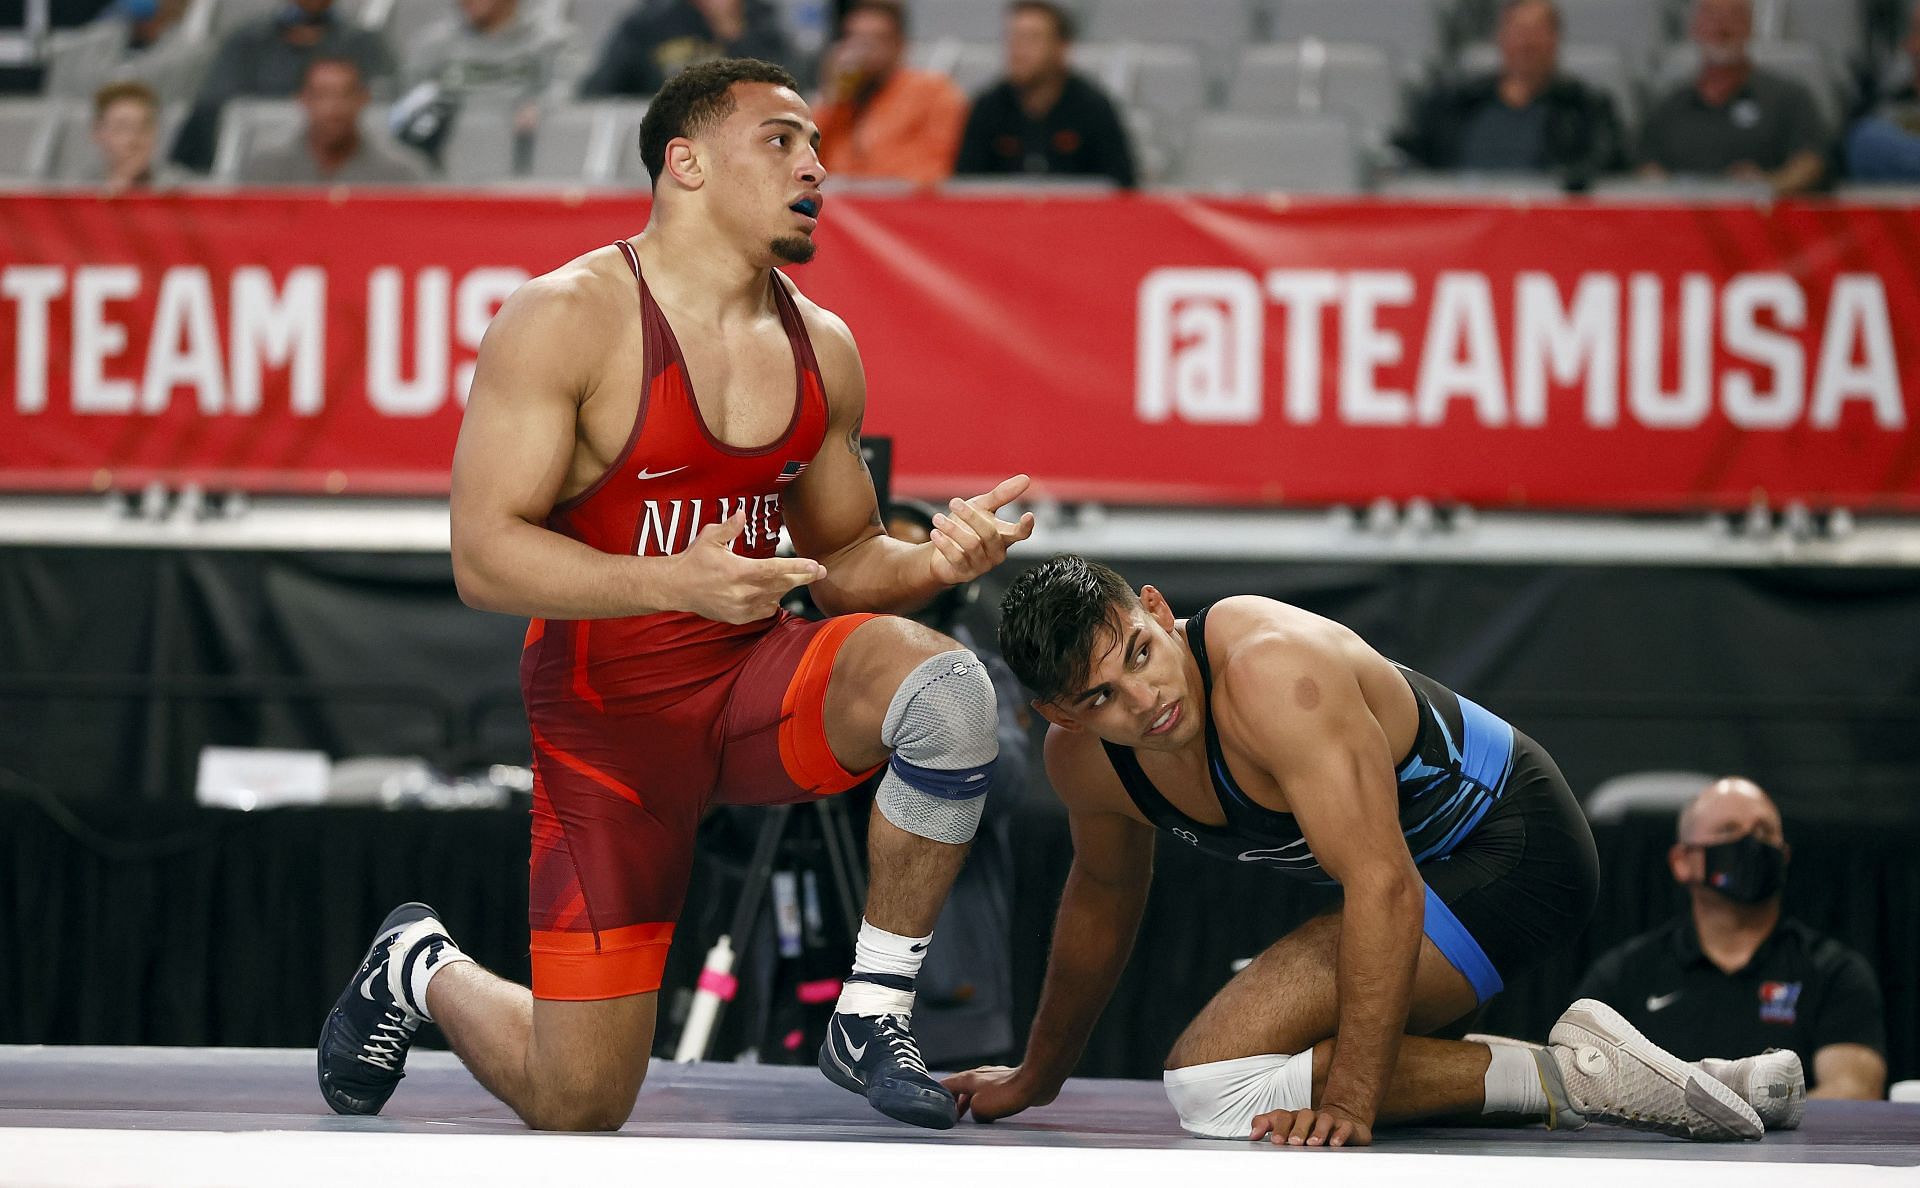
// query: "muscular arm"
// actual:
[[1099, 917], [1298, 704], [1850, 1072], [832, 511]]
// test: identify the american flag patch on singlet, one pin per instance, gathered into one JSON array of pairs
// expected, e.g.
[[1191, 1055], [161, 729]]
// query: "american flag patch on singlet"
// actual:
[[790, 471]]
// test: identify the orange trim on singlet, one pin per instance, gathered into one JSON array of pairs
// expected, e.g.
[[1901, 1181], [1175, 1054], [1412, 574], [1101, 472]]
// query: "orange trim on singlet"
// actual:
[[536, 631], [804, 750], [582, 685], [589, 966], [580, 766]]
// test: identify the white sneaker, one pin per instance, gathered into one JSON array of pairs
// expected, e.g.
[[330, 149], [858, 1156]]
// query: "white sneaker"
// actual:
[[1774, 1083], [1614, 1074]]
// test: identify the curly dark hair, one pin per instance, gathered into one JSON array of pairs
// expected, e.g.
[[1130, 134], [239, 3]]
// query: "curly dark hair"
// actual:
[[696, 99], [1053, 619]]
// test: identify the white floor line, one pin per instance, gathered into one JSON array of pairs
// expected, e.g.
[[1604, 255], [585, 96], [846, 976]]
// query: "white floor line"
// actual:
[[44, 1158]]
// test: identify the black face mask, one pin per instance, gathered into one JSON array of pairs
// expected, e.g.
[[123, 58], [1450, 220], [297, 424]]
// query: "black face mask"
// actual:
[[1745, 871]]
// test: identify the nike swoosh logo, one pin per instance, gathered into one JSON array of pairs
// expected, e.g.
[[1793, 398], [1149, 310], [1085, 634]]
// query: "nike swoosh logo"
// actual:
[[1662, 1002], [919, 948], [654, 474], [366, 986], [856, 1053], [1276, 855]]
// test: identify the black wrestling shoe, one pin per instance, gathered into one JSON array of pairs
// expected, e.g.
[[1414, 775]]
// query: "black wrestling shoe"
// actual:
[[876, 1057], [368, 1032]]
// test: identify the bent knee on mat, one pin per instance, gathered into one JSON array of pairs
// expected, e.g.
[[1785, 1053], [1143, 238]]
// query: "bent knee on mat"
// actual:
[[581, 1106]]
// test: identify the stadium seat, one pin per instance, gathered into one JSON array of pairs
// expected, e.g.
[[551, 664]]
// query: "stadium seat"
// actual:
[[249, 125], [1600, 66], [1838, 27], [27, 131], [627, 167], [1218, 28], [79, 60], [960, 20], [1357, 81], [1804, 63], [593, 21], [1408, 29], [1637, 28], [1169, 82], [574, 143], [1308, 154], [1107, 64], [1644, 792], [977, 66], [480, 146]]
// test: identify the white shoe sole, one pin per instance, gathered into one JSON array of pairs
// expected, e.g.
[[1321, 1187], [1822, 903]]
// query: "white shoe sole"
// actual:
[[1718, 1112]]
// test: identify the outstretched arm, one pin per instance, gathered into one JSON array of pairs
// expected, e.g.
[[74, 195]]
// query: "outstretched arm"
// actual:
[[834, 516], [1093, 936], [516, 446]]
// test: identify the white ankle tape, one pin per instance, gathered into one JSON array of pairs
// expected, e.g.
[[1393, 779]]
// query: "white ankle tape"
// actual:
[[867, 998]]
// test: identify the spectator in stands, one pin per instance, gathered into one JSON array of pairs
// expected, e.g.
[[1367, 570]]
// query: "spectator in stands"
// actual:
[[268, 57], [1729, 976], [877, 117], [331, 149], [660, 38], [126, 118], [1885, 146], [1043, 118], [1734, 119], [489, 51], [1529, 117]]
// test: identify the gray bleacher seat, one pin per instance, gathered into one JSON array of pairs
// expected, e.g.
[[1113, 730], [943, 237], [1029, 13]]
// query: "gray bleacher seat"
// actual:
[[1151, 160], [74, 157], [1601, 66], [1644, 792], [28, 128], [79, 60], [1357, 81], [249, 125], [593, 21], [1217, 27], [977, 66], [1170, 82], [1108, 65], [627, 167], [1308, 154], [1422, 186], [1408, 29], [480, 147], [1636, 27], [960, 20], [573, 143], [1806, 64], [1837, 26]]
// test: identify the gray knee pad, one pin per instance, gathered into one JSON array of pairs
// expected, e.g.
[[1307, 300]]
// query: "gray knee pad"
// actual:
[[943, 729]]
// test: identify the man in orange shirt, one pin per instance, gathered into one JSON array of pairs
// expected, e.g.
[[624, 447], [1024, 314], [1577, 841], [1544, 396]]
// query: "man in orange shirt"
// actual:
[[877, 117]]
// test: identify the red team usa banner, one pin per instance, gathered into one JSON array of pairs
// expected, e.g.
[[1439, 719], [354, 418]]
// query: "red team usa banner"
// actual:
[[1131, 349]]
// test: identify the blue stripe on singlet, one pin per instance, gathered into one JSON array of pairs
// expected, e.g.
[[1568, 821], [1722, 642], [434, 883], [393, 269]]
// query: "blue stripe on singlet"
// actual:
[[1462, 952]]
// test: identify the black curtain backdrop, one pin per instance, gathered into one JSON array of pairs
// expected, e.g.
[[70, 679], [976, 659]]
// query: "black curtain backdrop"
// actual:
[[145, 920], [193, 926]]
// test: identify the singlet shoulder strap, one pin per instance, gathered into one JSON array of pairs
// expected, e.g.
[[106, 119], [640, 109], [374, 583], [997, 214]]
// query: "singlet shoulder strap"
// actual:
[[795, 323], [662, 349], [1155, 807]]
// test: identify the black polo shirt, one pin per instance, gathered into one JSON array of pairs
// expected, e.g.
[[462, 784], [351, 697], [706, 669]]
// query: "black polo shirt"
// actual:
[[1769, 120], [1801, 991], [1081, 136]]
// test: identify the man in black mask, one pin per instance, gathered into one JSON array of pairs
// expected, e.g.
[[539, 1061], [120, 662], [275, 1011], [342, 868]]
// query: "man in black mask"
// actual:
[[1730, 975]]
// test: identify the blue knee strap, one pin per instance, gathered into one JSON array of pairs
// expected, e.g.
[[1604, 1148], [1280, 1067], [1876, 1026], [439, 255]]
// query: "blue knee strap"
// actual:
[[1462, 952], [959, 783]]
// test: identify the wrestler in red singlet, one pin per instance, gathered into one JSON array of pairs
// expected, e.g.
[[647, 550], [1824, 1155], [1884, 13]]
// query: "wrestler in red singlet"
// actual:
[[638, 723]]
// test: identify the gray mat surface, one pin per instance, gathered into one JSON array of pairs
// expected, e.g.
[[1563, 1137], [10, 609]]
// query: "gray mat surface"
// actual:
[[237, 1089]]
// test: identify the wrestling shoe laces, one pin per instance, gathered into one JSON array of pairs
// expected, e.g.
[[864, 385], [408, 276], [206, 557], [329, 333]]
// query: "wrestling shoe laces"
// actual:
[[365, 1039], [876, 1056]]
